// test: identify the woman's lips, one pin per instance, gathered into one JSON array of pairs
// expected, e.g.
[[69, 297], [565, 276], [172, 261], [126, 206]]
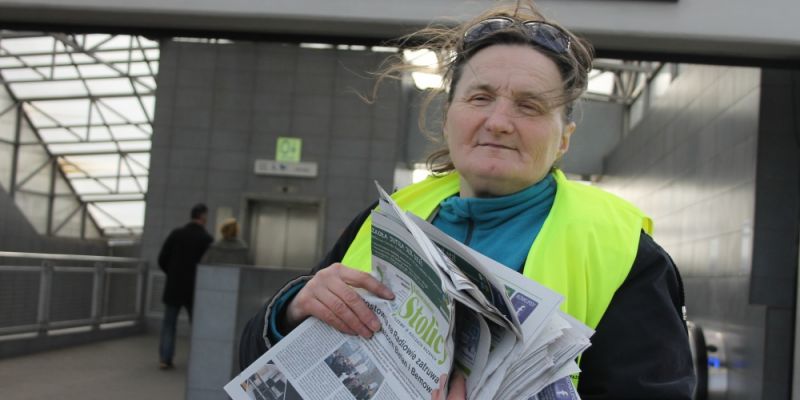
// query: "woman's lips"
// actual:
[[495, 145]]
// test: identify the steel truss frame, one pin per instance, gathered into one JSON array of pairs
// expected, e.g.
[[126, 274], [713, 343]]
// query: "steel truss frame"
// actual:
[[89, 64]]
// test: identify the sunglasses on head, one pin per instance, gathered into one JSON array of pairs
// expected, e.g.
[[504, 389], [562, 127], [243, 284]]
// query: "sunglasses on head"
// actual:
[[540, 33]]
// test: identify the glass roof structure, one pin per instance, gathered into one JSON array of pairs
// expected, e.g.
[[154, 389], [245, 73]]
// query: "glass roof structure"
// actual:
[[619, 81], [89, 99]]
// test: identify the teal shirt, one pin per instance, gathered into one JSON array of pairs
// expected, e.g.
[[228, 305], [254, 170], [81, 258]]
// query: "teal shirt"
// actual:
[[501, 228]]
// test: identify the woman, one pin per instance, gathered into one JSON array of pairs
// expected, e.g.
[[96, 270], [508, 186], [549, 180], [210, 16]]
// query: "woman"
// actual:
[[229, 249], [513, 77]]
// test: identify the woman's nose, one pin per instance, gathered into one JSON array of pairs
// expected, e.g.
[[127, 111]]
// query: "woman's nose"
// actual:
[[500, 116]]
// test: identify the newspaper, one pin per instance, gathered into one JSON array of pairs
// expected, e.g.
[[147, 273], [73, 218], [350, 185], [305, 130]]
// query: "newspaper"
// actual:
[[454, 311]]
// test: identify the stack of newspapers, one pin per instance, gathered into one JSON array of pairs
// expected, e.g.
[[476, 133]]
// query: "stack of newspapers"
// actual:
[[454, 311]]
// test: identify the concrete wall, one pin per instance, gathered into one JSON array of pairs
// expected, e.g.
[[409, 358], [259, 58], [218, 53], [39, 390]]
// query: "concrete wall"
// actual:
[[599, 131], [691, 164], [227, 297], [694, 26], [221, 107]]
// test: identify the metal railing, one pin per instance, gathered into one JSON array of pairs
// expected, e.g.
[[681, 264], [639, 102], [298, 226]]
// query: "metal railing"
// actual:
[[44, 293]]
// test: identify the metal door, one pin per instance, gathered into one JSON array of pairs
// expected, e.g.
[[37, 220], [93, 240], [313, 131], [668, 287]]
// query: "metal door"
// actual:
[[284, 234]]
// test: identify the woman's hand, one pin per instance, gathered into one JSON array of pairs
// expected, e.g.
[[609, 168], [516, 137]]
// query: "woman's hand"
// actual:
[[329, 296], [458, 387]]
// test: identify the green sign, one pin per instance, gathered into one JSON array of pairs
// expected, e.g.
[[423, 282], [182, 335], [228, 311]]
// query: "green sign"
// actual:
[[288, 149]]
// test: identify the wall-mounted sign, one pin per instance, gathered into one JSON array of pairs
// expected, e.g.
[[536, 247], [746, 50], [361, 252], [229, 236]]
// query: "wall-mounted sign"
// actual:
[[277, 168], [288, 149]]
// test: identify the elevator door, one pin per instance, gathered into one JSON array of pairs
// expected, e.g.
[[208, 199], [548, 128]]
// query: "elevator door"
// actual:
[[284, 234]]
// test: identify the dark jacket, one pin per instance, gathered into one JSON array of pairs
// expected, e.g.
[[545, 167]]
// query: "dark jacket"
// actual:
[[178, 258], [640, 349]]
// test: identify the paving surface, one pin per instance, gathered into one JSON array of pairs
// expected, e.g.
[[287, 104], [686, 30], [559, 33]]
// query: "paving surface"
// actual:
[[119, 369]]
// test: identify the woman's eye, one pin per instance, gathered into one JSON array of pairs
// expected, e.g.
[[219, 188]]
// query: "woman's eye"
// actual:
[[530, 108], [480, 99]]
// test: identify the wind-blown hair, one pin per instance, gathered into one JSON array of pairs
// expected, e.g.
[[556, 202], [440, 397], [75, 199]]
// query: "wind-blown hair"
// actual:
[[447, 42]]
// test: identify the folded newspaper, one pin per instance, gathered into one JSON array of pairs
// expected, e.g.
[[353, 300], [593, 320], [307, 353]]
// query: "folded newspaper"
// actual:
[[455, 311]]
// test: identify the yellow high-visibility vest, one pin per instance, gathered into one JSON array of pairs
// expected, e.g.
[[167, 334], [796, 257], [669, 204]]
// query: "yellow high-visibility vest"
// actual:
[[584, 250]]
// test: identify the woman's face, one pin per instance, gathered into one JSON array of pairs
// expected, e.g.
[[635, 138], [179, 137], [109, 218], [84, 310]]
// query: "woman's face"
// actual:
[[502, 128]]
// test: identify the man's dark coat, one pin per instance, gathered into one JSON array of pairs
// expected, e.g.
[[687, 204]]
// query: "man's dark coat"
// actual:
[[178, 258]]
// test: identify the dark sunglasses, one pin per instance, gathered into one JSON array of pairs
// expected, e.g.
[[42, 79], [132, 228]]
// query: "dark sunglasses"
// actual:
[[540, 33]]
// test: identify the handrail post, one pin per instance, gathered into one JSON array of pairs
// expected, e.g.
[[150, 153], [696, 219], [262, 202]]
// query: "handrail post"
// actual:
[[45, 294], [99, 295], [141, 291]]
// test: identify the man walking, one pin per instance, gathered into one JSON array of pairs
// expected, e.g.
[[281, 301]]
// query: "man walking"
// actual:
[[178, 258]]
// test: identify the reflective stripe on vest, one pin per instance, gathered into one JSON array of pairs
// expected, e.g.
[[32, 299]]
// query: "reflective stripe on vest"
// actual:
[[584, 251]]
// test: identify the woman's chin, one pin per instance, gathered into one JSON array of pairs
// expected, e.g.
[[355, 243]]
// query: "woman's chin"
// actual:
[[494, 171], [494, 184]]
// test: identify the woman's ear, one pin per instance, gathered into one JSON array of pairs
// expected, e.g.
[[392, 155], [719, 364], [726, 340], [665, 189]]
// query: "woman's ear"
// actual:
[[569, 129]]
